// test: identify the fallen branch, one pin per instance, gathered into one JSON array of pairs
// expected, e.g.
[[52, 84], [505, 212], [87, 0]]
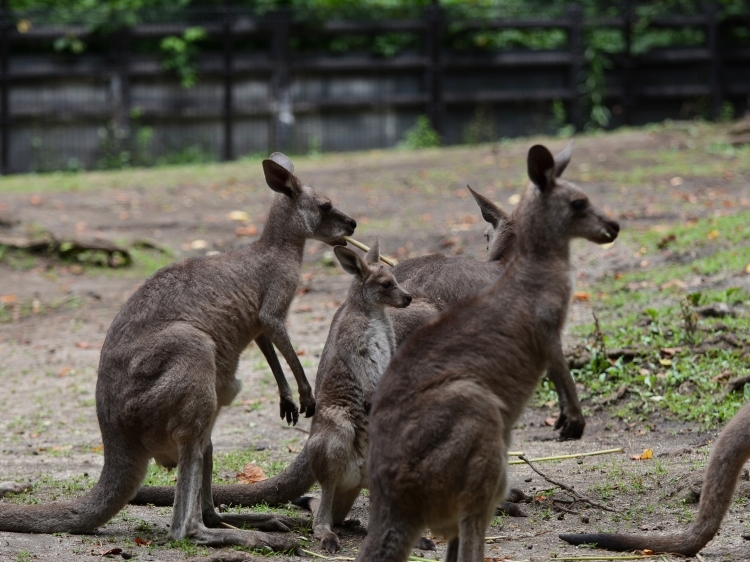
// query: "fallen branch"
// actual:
[[364, 248], [562, 457], [48, 243], [567, 488], [737, 384], [626, 557]]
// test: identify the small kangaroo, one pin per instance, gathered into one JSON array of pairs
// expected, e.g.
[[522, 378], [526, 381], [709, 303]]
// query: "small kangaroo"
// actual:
[[358, 349], [728, 455], [442, 414], [168, 366]]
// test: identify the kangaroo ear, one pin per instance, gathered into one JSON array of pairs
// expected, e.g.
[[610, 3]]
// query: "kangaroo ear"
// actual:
[[279, 172], [490, 212], [563, 159], [349, 260], [373, 254], [541, 167]]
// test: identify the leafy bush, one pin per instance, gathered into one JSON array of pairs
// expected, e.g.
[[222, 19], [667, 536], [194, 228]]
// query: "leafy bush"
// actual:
[[421, 135]]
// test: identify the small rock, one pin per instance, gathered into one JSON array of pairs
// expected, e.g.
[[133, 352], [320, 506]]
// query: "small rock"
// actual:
[[584, 518], [715, 310], [126, 555]]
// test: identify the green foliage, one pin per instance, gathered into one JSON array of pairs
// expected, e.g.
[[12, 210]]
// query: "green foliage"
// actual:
[[482, 128], [420, 135], [180, 52]]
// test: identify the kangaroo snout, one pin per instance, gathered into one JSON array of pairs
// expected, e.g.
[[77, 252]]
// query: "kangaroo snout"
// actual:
[[611, 230], [407, 300]]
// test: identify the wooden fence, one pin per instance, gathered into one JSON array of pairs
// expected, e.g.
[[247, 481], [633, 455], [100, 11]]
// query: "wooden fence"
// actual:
[[264, 87]]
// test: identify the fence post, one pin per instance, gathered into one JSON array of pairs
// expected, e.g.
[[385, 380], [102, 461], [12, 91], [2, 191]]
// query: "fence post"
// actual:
[[119, 84], [627, 75], [228, 153], [283, 118], [575, 44], [5, 24], [435, 18], [711, 12]]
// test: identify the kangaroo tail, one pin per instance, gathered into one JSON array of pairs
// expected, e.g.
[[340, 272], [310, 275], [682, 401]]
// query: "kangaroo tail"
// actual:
[[289, 484], [123, 472], [729, 453]]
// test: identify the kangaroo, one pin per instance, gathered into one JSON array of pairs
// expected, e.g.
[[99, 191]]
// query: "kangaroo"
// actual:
[[444, 280], [728, 455], [168, 366], [359, 347], [442, 414]]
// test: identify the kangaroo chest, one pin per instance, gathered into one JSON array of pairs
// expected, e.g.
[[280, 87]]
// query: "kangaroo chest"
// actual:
[[378, 347]]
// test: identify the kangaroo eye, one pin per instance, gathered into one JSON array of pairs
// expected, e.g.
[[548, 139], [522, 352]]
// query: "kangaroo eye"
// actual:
[[386, 285], [578, 204], [327, 206]]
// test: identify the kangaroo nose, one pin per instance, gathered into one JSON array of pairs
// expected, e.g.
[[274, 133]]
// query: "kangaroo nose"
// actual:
[[614, 225], [408, 299], [352, 223]]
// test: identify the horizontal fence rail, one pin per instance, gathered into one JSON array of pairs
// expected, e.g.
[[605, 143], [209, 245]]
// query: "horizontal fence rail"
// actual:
[[258, 90]]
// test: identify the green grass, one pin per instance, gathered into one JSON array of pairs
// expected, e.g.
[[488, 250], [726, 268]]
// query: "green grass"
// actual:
[[646, 309]]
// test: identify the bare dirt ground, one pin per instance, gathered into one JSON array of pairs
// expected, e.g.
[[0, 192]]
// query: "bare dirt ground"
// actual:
[[58, 315]]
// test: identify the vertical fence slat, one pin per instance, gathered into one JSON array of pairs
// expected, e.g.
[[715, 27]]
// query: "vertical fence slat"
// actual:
[[120, 89], [435, 24], [228, 152], [5, 24], [628, 63], [575, 44], [283, 118], [711, 12]]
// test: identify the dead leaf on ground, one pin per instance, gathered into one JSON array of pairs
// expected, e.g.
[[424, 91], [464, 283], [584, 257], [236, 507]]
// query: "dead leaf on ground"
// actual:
[[7, 299], [142, 542], [550, 421], [670, 351], [645, 455], [303, 308], [83, 345], [110, 552], [725, 376], [249, 230], [64, 371], [581, 296], [292, 448], [301, 352], [674, 283], [251, 474], [713, 235]]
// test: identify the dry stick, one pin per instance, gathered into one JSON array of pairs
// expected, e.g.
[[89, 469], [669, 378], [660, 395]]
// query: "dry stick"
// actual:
[[364, 248], [626, 557], [567, 488], [561, 457]]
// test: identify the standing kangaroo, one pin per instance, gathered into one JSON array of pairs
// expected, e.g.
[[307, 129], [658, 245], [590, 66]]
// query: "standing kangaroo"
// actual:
[[445, 280], [728, 455], [359, 347], [441, 418], [168, 366]]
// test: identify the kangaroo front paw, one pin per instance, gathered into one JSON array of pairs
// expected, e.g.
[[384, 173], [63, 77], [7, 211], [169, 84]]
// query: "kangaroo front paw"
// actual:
[[570, 424], [288, 410], [307, 405], [330, 542]]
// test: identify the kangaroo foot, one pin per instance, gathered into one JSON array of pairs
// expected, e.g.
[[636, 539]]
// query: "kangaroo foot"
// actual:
[[426, 544], [263, 522], [511, 509], [232, 537], [330, 542], [516, 495]]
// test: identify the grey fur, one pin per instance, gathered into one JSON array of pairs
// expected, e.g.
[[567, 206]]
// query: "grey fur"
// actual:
[[442, 414], [359, 347], [168, 366]]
